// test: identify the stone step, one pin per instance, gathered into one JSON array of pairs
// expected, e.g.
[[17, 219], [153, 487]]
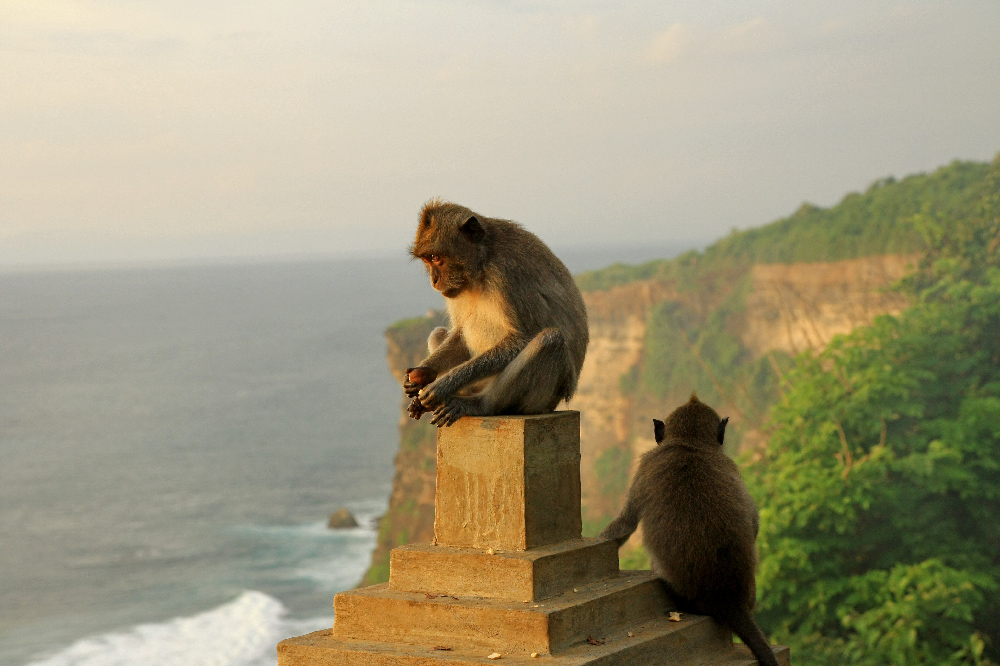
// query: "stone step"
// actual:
[[530, 575], [694, 641], [379, 614], [741, 656]]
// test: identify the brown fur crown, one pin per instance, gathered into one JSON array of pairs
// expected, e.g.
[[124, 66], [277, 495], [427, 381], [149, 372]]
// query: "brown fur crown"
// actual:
[[444, 226], [692, 421]]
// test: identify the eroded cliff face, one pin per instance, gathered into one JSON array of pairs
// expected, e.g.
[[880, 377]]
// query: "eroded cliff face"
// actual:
[[617, 322], [798, 307], [787, 308]]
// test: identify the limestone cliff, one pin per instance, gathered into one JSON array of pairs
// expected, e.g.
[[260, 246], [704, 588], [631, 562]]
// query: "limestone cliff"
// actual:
[[794, 307], [727, 340]]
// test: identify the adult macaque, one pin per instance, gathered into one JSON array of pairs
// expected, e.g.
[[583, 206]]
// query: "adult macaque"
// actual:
[[518, 331]]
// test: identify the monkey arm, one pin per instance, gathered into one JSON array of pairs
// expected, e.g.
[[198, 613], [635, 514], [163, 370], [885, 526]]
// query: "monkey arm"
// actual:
[[622, 527], [489, 363], [444, 354], [450, 353]]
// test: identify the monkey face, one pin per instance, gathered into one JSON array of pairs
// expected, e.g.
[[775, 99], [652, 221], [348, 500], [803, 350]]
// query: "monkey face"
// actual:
[[450, 243], [447, 275]]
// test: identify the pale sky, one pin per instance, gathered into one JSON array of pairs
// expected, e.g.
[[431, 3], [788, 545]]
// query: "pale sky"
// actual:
[[134, 130]]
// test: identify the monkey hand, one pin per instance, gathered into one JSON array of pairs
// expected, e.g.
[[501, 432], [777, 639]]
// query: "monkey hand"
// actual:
[[436, 393], [449, 411], [622, 527], [416, 410], [416, 379]]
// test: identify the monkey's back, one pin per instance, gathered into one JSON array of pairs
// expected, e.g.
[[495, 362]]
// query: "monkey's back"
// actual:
[[543, 291], [698, 521]]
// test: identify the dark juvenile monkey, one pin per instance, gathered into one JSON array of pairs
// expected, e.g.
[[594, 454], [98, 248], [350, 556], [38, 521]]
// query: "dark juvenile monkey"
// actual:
[[518, 324], [699, 523]]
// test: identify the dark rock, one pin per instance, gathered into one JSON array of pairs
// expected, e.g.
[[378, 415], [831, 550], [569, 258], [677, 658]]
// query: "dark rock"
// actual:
[[342, 518]]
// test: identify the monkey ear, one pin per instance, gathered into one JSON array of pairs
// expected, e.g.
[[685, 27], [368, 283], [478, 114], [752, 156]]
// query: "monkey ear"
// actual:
[[473, 229], [721, 433], [658, 430]]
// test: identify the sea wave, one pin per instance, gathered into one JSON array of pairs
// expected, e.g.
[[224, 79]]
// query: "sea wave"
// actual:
[[243, 632]]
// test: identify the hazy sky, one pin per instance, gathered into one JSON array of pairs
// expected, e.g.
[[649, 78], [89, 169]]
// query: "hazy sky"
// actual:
[[135, 130]]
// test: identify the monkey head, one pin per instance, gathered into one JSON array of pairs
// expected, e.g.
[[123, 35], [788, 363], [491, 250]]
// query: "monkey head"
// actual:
[[694, 421], [451, 243]]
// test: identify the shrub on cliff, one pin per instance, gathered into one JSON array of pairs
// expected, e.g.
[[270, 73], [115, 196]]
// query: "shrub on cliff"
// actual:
[[880, 488]]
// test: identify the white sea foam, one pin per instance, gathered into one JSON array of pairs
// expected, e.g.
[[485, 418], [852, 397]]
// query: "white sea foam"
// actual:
[[243, 632]]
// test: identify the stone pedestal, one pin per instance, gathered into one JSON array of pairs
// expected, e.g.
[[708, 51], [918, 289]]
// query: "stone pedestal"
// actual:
[[509, 573], [508, 483]]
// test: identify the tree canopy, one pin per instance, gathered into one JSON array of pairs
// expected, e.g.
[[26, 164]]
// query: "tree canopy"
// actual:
[[879, 490]]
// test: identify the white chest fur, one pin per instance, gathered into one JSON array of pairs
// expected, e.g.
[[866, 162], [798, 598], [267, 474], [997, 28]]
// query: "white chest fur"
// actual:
[[482, 318]]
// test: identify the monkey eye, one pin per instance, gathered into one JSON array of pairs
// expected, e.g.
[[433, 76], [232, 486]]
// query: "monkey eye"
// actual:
[[435, 259]]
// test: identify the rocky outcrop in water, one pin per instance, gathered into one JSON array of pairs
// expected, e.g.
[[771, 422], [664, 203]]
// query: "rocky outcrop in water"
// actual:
[[342, 519]]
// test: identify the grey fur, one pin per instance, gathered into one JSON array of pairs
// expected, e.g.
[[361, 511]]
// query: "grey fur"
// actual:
[[699, 523], [518, 332]]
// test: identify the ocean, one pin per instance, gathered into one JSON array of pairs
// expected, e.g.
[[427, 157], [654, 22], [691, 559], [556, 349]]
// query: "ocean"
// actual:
[[172, 441]]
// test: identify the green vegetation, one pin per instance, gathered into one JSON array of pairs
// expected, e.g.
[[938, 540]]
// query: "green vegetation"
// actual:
[[695, 344], [611, 469], [617, 274], [636, 558], [593, 526], [378, 571], [882, 220], [404, 325], [412, 333], [890, 217], [880, 487], [689, 350]]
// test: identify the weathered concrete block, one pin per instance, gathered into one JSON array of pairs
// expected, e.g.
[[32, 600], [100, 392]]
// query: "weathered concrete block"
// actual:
[[508, 482], [515, 575]]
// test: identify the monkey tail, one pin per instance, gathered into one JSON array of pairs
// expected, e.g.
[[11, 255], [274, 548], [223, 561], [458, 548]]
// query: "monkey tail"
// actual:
[[743, 625], [568, 384]]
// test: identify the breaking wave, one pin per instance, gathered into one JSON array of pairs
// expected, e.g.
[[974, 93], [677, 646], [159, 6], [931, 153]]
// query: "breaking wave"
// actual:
[[243, 632]]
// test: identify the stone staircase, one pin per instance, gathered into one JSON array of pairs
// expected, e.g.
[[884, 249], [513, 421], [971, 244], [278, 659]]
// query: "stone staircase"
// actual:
[[510, 575]]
